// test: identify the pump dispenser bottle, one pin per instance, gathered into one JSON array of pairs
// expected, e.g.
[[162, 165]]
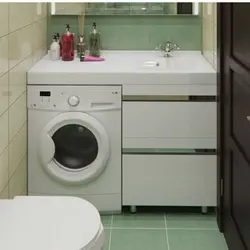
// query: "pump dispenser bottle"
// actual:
[[94, 42], [67, 45], [55, 49]]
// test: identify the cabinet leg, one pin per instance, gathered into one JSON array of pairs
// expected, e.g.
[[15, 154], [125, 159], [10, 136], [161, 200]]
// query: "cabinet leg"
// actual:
[[132, 209], [204, 210]]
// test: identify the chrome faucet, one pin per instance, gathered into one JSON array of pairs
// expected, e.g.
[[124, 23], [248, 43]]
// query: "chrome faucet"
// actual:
[[167, 48]]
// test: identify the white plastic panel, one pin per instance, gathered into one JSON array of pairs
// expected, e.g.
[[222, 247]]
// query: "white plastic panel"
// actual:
[[169, 180], [91, 98], [183, 143], [169, 89], [169, 124]]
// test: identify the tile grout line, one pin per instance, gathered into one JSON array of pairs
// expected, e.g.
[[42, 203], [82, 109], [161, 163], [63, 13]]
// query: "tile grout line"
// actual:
[[111, 227], [135, 228], [166, 228], [155, 228]]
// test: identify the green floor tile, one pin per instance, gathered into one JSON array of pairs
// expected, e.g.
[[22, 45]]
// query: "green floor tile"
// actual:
[[107, 237], [134, 239], [196, 240], [139, 221], [191, 221], [106, 220]]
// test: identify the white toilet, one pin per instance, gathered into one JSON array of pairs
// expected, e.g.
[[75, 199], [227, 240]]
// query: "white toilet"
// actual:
[[50, 223]]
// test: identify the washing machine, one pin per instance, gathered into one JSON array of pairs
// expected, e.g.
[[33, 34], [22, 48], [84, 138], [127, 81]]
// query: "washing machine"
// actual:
[[74, 143]]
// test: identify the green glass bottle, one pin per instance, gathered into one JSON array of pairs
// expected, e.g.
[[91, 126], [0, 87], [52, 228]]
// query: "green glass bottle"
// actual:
[[94, 42]]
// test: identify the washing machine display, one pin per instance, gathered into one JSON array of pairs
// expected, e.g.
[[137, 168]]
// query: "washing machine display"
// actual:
[[74, 147]]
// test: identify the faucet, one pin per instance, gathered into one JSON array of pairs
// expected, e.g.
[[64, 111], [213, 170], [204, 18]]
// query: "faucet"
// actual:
[[167, 48]]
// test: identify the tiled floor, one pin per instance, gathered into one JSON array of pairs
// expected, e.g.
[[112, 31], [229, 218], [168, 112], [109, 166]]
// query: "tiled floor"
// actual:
[[162, 232]]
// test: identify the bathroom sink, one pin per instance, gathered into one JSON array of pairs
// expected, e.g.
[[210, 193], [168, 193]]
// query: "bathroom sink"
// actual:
[[126, 68]]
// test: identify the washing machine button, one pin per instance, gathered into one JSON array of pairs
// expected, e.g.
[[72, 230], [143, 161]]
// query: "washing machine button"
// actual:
[[73, 100]]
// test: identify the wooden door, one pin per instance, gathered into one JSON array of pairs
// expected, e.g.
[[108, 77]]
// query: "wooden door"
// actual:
[[235, 126]]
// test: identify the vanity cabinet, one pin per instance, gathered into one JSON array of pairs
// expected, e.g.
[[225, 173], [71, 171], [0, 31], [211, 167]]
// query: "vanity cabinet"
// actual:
[[169, 154], [169, 124], [169, 180]]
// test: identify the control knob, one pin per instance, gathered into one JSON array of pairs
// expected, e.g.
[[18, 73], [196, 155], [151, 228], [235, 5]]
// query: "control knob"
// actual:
[[73, 100]]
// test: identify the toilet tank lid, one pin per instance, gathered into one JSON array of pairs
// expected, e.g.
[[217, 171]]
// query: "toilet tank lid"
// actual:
[[50, 223]]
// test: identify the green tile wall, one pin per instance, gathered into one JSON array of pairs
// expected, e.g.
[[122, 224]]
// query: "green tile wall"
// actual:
[[136, 32]]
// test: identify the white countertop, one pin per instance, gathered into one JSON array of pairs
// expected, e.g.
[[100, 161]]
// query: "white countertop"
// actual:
[[126, 68]]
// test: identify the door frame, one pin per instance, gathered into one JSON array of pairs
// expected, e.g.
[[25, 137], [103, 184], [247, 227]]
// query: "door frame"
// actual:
[[220, 117]]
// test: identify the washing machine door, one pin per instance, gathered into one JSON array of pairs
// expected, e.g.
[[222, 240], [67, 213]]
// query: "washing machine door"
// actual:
[[74, 148]]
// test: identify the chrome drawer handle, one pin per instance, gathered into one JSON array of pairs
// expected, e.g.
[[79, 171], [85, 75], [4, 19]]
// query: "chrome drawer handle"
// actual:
[[248, 118]]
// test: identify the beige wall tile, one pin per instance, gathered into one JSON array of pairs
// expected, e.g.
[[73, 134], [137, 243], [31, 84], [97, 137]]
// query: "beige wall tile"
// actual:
[[210, 32], [17, 115], [4, 19], [209, 56], [4, 93], [25, 191], [208, 40], [215, 60], [4, 175], [20, 15], [41, 11], [20, 43], [5, 193], [214, 37], [17, 149], [208, 11], [17, 182], [18, 79], [23, 31], [45, 11], [207, 36], [3, 55], [39, 54], [215, 13], [3, 131], [39, 29]]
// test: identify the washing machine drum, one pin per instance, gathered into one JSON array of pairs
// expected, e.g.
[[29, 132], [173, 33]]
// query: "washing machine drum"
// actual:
[[76, 146], [51, 223]]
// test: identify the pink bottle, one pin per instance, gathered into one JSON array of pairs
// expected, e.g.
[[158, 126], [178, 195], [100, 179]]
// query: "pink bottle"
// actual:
[[67, 45]]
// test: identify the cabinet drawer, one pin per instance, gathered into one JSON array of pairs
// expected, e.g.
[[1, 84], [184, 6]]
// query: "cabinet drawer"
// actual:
[[169, 180], [168, 124]]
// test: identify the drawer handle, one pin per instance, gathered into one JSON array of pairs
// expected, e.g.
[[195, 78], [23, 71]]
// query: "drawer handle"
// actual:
[[248, 118]]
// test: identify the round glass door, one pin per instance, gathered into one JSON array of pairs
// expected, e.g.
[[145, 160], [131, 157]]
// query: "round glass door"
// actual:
[[76, 147]]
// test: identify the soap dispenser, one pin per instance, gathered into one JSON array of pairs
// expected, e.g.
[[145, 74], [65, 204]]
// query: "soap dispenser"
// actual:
[[55, 49], [67, 45], [94, 42]]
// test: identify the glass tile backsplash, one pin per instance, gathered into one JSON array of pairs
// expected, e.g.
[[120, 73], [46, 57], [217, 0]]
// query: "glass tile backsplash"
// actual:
[[136, 32]]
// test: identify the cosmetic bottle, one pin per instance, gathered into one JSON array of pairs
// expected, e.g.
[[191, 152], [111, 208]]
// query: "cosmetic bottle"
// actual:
[[55, 49], [67, 45]]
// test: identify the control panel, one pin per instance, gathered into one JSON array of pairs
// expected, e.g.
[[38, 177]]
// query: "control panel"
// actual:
[[74, 98]]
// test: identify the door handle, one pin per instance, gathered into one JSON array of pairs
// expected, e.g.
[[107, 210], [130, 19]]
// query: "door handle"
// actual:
[[248, 118]]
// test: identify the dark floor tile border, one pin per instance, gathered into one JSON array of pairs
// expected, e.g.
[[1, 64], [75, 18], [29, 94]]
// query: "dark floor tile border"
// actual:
[[168, 209]]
